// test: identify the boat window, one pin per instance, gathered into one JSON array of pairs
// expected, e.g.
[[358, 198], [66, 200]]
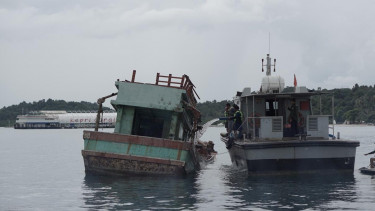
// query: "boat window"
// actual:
[[181, 133], [276, 105], [271, 108], [149, 123], [149, 127]]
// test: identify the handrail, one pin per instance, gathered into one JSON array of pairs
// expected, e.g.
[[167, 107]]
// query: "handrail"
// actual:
[[183, 82]]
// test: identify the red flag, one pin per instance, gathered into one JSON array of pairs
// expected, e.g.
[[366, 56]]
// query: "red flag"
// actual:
[[295, 81]]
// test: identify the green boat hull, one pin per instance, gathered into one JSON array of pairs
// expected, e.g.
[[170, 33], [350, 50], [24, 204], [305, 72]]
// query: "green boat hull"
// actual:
[[119, 154]]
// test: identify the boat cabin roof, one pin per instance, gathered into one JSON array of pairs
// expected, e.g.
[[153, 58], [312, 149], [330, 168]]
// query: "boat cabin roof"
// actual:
[[287, 94]]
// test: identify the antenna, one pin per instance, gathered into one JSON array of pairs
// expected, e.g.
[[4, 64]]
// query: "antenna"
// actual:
[[269, 43], [269, 64]]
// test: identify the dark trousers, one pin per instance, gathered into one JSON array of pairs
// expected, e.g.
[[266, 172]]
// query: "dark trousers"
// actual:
[[238, 128], [294, 127]]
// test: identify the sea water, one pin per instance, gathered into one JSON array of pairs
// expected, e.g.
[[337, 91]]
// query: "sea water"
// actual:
[[43, 170]]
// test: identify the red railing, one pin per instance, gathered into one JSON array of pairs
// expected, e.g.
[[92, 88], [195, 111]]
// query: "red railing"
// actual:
[[170, 81], [183, 82]]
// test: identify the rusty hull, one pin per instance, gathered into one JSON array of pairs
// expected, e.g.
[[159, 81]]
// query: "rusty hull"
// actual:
[[114, 164], [127, 164]]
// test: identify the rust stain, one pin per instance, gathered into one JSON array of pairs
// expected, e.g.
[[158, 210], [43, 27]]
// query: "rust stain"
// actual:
[[106, 156], [133, 139], [179, 154], [129, 146]]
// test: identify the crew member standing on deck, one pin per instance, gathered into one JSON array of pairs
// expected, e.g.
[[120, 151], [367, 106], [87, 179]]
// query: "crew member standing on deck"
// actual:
[[226, 114], [237, 121], [293, 117], [372, 160], [231, 112]]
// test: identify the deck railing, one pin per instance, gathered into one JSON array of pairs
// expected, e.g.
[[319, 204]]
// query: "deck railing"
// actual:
[[183, 82]]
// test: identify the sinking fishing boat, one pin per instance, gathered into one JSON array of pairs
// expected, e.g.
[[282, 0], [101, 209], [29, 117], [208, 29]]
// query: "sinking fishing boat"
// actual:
[[277, 136], [155, 132]]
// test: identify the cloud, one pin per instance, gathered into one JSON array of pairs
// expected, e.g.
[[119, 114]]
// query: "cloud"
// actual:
[[76, 50]]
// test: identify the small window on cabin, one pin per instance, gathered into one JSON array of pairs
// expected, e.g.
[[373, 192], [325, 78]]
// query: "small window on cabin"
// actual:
[[149, 127], [148, 123], [267, 106], [275, 105], [181, 133]]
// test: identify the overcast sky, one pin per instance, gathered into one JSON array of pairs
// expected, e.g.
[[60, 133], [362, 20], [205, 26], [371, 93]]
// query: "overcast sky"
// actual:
[[75, 50]]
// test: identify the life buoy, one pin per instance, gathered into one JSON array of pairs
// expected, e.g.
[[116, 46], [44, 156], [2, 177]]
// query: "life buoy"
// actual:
[[301, 120], [251, 120]]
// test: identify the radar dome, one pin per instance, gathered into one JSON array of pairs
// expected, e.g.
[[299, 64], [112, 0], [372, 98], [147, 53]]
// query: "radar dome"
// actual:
[[272, 84]]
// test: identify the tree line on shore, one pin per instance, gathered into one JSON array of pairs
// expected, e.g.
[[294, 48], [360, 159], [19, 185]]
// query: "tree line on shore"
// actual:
[[8, 114], [356, 105]]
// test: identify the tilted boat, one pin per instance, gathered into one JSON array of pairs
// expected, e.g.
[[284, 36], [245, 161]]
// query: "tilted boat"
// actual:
[[155, 131], [270, 143]]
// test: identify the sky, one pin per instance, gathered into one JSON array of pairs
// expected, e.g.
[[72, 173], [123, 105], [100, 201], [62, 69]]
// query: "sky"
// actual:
[[75, 50]]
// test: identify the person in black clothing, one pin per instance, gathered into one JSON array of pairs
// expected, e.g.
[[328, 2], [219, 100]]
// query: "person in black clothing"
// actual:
[[237, 126], [237, 120], [372, 160], [231, 112], [226, 114], [293, 118]]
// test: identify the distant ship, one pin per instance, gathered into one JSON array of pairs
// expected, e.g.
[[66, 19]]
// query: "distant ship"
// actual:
[[155, 133], [63, 119], [272, 141]]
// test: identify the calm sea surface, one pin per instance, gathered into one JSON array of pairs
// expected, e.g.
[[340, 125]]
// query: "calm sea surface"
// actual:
[[43, 170]]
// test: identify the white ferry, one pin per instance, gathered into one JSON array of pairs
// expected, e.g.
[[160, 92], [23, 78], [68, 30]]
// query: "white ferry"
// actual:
[[63, 119]]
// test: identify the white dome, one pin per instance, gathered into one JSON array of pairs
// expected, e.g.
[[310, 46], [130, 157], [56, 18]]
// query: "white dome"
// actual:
[[272, 84]]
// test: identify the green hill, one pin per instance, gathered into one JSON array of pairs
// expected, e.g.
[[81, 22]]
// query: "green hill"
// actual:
[[356, 105]]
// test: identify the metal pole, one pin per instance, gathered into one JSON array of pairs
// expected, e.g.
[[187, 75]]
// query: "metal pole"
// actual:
[[100, 109], [247, 117], [253, 117], [333, 114], [320, 104]]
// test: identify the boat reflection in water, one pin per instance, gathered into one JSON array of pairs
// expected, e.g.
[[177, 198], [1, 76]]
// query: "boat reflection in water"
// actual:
[[293, 191], [138, 192], [220, 189]]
